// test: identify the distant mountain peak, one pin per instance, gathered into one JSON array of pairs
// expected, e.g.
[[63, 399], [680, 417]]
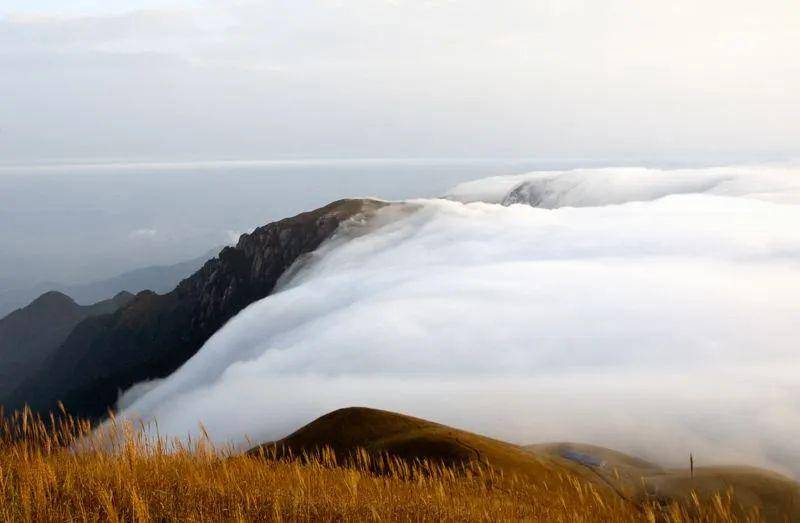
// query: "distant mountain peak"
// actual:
[[31, 334], [53, 299], [122, 297]]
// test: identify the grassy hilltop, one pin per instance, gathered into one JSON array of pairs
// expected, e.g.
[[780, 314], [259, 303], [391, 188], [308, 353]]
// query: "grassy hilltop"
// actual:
[[359, 464]]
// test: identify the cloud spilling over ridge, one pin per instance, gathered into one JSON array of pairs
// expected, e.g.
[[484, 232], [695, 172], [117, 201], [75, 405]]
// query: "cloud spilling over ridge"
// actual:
[[593, 187], [658, 327]]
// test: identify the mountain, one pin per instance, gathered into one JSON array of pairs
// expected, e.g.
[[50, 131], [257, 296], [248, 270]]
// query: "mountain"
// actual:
[[155, 334], [611, 473], [157, 278], [30, 335], [379, 432]]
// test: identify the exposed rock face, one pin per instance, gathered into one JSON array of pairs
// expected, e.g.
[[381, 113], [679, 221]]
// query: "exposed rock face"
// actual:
[[539, 193], [152, 336], [32, 334]]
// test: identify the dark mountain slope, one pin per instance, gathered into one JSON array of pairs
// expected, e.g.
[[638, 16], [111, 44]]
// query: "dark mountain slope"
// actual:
[[155, 334], [30, 335]]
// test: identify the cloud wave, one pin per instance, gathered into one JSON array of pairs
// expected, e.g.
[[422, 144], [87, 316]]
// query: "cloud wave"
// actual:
[[658, 327], [594, 187]]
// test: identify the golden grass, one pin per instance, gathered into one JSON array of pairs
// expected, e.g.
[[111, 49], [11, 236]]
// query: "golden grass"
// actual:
[[123, 475]]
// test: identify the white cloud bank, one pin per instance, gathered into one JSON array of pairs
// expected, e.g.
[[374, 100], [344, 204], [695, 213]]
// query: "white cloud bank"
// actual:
[[658, 327], [593, 187]]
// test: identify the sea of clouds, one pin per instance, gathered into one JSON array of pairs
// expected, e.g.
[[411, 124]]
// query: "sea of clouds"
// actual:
[[655, 312]]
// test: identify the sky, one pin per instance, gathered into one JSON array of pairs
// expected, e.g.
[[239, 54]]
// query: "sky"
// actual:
[[184, 80]]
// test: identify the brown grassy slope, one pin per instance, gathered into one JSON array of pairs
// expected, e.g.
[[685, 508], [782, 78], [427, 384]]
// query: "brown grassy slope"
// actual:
[[613, 476], [776, 497], [193, 486], [412, 439], [128, 477], [123, 476], [621, 471]]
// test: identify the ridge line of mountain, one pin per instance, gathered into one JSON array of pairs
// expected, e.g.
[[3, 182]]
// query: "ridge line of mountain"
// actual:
[[159, 278], [155, 334]]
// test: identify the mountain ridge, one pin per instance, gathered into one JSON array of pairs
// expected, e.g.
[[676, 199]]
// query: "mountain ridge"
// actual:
[[158, 278], [155, 334]]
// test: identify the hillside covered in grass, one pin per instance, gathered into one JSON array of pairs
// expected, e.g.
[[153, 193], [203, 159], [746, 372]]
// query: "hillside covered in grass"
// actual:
[[352, 464]]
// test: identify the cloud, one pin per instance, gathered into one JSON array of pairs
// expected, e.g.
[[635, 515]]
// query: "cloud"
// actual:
[[657, 327], [143, 234], [594, 187], [232, 237], [616, 79]]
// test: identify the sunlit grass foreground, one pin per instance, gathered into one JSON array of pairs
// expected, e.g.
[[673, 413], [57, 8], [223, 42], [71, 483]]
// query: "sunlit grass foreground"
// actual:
[[57, 469]]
